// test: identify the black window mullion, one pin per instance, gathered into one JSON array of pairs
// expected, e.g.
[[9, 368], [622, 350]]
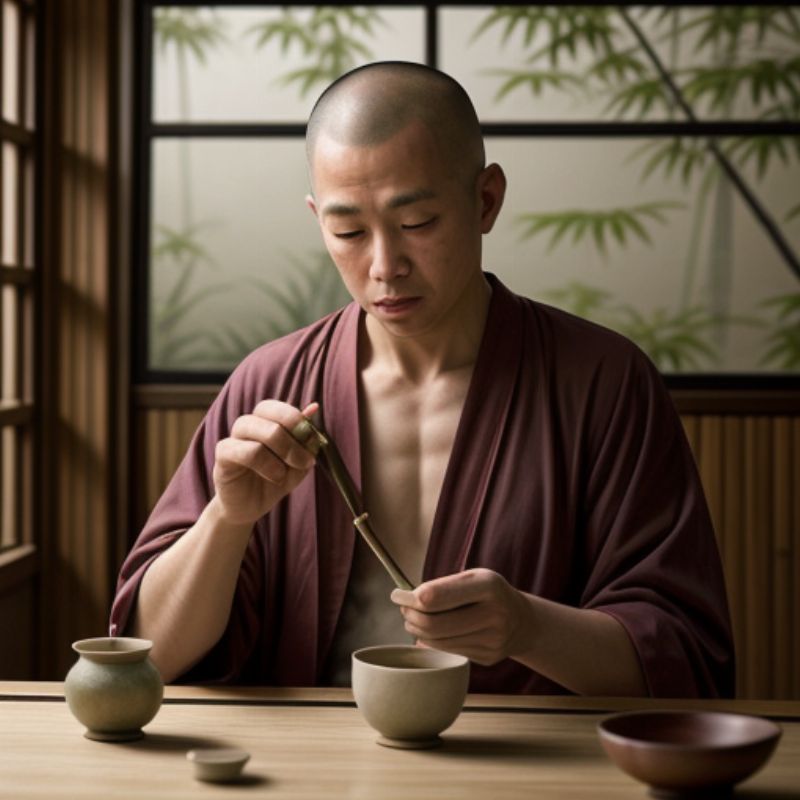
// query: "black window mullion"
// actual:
[[151, 131], [432, 35], [143, 66]]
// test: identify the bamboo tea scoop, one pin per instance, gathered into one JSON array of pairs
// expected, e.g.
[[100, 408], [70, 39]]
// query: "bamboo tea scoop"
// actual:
[[331, 462]]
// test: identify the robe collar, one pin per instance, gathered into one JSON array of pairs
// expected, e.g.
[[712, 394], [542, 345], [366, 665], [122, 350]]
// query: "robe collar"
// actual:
[[469, 470], [476, 445]]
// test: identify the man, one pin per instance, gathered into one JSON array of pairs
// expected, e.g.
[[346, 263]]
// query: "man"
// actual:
[[525, 468]]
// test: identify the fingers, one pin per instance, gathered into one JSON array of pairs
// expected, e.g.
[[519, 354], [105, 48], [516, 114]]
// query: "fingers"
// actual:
[[473, 613], [233, 455], [462, 621], [269, 426], [475, 648], [310, 409], [449, 592], [261, 443]]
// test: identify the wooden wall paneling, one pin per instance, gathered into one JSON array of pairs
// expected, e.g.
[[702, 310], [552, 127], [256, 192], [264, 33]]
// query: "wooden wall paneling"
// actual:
[[76, 527], [60, 614], [733, 553], [758, 547], [794, 492], [17, 616], [782, 582], [173, 446], [710, 464], [99, 322], [166, 436], [153, 459], [691, 426], [121, 127]]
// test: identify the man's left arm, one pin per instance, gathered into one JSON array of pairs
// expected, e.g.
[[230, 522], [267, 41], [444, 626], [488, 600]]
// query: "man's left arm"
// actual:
[[477, 614], [651, 615]]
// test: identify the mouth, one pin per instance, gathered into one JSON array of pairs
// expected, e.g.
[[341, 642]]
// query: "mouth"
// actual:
[[396, 305]]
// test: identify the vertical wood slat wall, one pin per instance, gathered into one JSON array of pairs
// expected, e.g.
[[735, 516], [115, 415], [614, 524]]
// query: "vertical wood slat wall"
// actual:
[[77, 311], [750, 467]]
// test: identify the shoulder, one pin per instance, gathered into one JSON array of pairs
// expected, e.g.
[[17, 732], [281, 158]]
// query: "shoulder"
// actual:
[[295, 345], [584, 369], [573, 346], [284, 367], [599, 385]]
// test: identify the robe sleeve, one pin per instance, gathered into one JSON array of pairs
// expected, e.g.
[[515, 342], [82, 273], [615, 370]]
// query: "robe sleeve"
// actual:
[[179, 507], [651, 554]]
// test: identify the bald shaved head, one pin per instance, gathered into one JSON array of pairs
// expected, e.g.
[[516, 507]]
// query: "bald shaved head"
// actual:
[[368, 105]]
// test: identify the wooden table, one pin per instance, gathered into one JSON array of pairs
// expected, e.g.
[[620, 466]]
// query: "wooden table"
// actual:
[[314, 744]]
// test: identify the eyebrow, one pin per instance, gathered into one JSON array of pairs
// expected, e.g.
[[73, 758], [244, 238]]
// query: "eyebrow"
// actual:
[[400, 200]]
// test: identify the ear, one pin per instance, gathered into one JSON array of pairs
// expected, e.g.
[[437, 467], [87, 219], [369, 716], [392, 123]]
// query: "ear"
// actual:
[[312, 205], [491, 192]]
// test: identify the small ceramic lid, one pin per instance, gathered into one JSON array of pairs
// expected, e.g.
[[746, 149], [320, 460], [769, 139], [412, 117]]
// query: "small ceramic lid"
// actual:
[[218, 764]]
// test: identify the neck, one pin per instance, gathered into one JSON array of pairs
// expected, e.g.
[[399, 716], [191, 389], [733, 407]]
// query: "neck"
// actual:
[[451, 345]]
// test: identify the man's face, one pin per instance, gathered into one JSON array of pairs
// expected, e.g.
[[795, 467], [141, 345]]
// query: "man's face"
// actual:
[[403, 230]]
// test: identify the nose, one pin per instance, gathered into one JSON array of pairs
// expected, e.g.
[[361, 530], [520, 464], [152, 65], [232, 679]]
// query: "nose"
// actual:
[[388, 260]]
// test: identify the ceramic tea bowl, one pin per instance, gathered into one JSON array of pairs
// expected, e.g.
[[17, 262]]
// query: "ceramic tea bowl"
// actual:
[[218, 765], [682, 754], [409, 694], [113, 688]]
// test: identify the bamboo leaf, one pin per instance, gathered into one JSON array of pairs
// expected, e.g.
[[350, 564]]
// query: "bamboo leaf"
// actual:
[[313, 290], [332, 38], [786, 305], [674, 341], [188, 30], [761, 149], [535, 80], [561, 226], [645, 94], [782, 344], [618, 67], [579, 298], [605, 225], [627, 219]]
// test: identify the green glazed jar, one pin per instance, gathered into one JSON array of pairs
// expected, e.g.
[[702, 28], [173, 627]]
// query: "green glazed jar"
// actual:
[[113, 688]]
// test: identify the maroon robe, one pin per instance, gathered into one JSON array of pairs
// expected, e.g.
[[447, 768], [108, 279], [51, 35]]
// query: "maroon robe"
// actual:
[[570, 475]]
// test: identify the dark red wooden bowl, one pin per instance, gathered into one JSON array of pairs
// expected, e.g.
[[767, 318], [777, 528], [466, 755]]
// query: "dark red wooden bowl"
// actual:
[[685, 753]]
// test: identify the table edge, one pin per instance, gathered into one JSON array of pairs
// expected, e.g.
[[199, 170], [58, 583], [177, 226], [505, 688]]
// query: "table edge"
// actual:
[[268, 695]]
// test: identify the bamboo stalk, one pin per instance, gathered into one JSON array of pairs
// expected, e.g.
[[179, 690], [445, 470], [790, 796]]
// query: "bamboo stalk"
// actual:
[[771, 228], [363, 526], [333, 465]]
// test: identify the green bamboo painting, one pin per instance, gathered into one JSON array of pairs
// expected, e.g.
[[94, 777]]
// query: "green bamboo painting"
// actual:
[[177, 335], [332, 39], [624, 67], [313, 290], [678, 63]]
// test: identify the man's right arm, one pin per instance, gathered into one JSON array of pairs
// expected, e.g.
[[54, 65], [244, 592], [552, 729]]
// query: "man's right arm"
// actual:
[[185, 597]]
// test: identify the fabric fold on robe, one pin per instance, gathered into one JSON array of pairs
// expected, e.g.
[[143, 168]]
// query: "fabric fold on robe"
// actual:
[[570, 475]]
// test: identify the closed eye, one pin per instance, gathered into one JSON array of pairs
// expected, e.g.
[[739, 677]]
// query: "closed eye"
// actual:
[[420, 224], [348, 234]]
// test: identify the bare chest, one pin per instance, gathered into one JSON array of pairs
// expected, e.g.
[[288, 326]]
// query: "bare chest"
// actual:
[[407, 436]]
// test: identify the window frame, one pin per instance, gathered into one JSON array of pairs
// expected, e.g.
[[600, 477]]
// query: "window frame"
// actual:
[[18, 413], [147, 131]]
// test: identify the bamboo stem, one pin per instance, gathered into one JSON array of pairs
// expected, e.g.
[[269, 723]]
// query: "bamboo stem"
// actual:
[[747, 194], [334, 467]]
